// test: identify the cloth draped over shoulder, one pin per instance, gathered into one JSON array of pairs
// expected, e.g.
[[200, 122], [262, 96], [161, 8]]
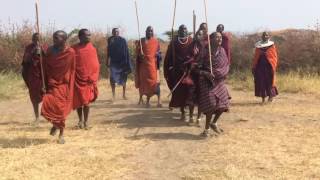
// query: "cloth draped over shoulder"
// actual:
[[87, 75], [60, 76], [31, 71], [177, 64], [146, 77], [271, 55], [120, 64], [213, 93]]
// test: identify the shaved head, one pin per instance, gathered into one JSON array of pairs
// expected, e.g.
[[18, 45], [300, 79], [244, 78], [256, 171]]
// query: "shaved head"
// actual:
[[115, 32], [149, 32], [59, 39]]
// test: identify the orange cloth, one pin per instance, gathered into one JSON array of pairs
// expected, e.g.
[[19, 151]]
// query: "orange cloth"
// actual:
[[87, 75], [146, 69], [60, 75], [272, 56]]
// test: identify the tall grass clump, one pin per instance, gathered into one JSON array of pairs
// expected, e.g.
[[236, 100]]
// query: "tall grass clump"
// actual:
[[12, 85], [290, 82]]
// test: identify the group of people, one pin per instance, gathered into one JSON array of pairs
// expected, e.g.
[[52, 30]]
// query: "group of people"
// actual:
[[195, 70], [69, 79]]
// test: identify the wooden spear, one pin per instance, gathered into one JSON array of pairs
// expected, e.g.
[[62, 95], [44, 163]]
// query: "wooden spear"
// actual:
[[194, 24], [41, 59], [172, 31], [209, 43], [138, 22]]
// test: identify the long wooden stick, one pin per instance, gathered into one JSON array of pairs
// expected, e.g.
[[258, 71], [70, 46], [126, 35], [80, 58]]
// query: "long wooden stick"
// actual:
[[41, 60], [172, 32], [209, 43], [138, 22], [178, 83], [194, 24]]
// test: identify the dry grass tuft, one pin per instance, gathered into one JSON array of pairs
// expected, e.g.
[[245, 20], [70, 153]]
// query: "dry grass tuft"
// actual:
[[292, 82]]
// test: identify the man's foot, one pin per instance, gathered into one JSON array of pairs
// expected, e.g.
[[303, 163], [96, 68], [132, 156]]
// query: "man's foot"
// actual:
[[86, 127], [270, 99], [53, 131], [216, 129], [80, 125], [124, 98], [159, 105], [61, 140], [35, 122], [205, 133]]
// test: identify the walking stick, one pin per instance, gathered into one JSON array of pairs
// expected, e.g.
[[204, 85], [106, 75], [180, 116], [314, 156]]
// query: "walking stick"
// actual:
[[178, 83], [138, 22], [172, 32], [41, 60], [194, 24], [209, 44]]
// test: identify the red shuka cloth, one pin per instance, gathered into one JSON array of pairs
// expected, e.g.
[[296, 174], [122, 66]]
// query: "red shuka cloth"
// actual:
[[146, 69], [87, 75], [31, 72], [272, 56], [226, 46], [60, 75]]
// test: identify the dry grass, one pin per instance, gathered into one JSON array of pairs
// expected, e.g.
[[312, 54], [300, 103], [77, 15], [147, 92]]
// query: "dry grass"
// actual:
[[274, 141], [12, 85], [292, 82]]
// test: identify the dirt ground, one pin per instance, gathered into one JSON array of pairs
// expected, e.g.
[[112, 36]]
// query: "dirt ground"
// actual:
[[275, 141]]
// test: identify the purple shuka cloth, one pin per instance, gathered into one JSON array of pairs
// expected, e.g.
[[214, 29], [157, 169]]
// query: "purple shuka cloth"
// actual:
[[213, 93], [263, 78], [174, 69]]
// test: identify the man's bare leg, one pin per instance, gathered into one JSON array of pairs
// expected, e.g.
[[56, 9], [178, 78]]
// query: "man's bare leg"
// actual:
[[61, 137], [159, 102], [86, 110], [191, 111], [183, 114], [53, 130], [124, 91], [36, 112], [148, 105], [140, 100], [214, 125], [205, 133], [113, 88], [80, 115], [199, 117], [263, 99]]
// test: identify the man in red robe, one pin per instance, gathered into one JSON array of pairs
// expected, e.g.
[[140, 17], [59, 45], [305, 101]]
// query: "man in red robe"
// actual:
[[87, 75], [177, 66], [31, 72], [59, 66], [225, 41], [147, 78]]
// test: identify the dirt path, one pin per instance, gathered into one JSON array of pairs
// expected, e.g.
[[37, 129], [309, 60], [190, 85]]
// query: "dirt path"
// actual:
[[275, 141]]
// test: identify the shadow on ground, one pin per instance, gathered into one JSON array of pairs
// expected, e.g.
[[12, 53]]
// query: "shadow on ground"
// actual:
[[147, 118], [167, 136], [21, 142]]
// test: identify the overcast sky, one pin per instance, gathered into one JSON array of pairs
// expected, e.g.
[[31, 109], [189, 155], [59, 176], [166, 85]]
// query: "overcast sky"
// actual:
[[236, 15]]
